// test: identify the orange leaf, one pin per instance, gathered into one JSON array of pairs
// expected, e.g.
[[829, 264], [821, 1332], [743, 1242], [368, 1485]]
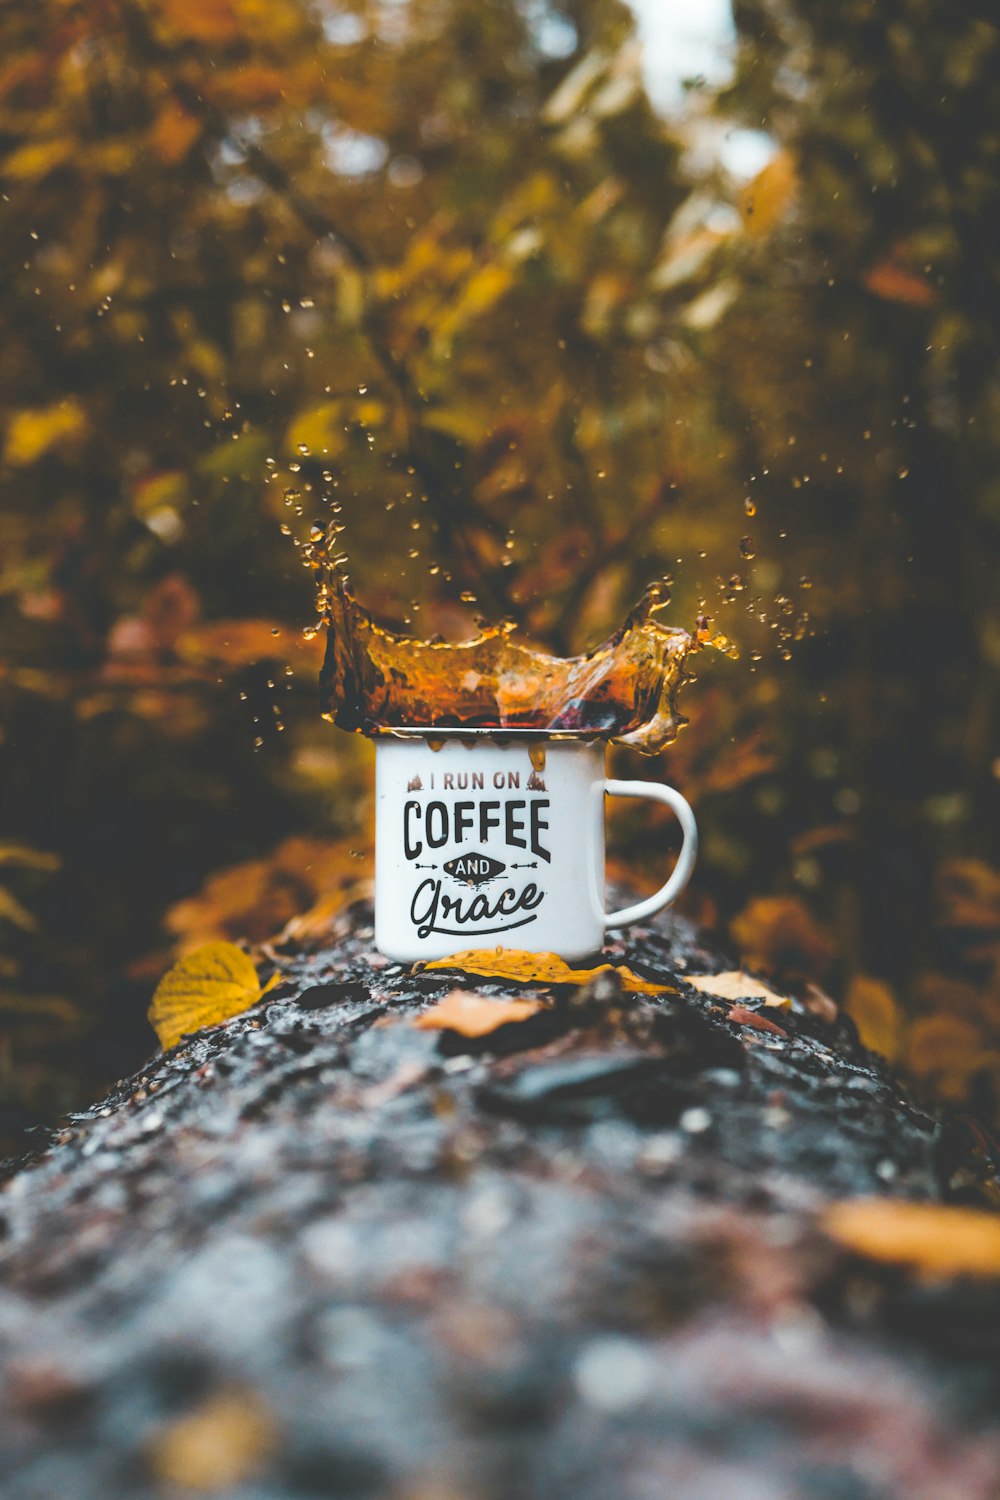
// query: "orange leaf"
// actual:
[[735, 985], [202, 20], [893, 283], [933, 1239], [969, 892], [251, 86], [300, 888], [744, 1017], [174, 132], [943, 1043], [779, 932], [765, 200], [541, 968], [474, 1015]]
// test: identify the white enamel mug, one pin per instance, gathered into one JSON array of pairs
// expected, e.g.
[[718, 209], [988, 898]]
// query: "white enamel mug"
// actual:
[[495, 838]]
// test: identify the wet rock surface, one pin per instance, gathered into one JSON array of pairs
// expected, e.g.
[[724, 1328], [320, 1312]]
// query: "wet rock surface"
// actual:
[[318, 1251]]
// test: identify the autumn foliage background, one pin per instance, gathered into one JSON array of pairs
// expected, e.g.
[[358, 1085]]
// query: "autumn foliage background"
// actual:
[[436, 271]]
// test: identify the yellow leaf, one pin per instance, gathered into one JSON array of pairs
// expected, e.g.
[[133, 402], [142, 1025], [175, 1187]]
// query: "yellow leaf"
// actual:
[[206, 987], [474, 1015], [764, 201], [321, 430], [32, 162], [216, 1447], [485, 287], [935, 1240], [159, 491], [873, 1009], [12, 911], [541, 968], [27, 858], [735, 985], [32, 432], [894, 283]]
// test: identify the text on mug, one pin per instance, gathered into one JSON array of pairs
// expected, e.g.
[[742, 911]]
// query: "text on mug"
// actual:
[[442, 824]]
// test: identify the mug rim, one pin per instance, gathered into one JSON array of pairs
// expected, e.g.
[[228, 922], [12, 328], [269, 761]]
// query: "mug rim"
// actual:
[[460, 732]]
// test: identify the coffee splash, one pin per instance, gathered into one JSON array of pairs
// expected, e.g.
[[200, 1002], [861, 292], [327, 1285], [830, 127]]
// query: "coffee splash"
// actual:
[[374, 680]]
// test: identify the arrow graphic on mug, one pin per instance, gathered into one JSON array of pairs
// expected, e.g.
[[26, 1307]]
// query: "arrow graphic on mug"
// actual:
[[425, 867], [531, 865]]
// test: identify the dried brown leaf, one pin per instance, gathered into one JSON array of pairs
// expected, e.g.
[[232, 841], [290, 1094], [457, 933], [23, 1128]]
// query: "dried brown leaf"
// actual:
[[735, 985], [474, 1015]]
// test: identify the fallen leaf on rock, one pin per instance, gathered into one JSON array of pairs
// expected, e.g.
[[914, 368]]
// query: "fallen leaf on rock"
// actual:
[[541, 968], [744, 1017], [934, 1239], [216, 1447], [206, 987], [735, 985], [474, 1015]]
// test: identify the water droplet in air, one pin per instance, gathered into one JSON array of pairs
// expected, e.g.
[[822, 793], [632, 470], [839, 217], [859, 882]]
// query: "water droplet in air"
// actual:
[[747, 547], [750, 505]]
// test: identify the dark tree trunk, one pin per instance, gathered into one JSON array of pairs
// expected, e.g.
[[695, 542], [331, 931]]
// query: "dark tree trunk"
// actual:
[[318, 1251]]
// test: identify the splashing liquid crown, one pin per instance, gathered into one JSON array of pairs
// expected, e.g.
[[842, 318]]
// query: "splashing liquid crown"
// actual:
[[374, 680]]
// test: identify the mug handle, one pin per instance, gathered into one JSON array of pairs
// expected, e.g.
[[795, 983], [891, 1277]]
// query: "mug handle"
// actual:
[[656, 791]]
